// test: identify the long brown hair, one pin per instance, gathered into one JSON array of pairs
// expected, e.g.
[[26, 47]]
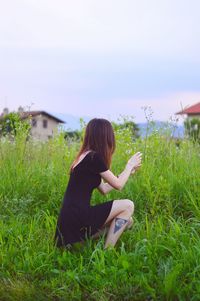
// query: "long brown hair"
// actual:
[[99, 137]]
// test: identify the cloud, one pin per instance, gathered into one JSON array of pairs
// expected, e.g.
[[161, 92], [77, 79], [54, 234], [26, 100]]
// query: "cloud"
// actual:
[[72, 56], [155, 27]]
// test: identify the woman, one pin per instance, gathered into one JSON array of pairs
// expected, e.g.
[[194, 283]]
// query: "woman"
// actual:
[[79, 220]]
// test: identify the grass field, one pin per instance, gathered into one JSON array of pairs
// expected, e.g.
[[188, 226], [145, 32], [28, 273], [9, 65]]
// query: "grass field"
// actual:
[[158, 259]]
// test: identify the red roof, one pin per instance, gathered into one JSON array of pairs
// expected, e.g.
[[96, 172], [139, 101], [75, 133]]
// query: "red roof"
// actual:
[[195, 109]]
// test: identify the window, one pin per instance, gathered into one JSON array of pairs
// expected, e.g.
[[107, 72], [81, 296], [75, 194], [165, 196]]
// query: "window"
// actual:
[[45, 123], [34, 122]]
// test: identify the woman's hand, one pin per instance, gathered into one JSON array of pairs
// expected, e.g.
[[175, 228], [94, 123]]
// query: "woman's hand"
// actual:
[[134, 162], [135, 169]]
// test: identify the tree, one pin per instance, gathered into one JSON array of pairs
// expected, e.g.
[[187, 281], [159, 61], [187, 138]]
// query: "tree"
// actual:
[[12, 124], [192, 128], [72, 135], [131, 125]]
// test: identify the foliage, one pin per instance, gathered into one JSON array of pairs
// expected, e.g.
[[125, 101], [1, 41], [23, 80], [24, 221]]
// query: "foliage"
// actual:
[[192, 127], [11, 124], [73, 135], [158, 259], [127, 124], [76, 136]]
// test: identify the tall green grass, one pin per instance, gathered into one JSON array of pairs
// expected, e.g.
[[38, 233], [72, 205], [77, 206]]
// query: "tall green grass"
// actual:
[[158, 259]]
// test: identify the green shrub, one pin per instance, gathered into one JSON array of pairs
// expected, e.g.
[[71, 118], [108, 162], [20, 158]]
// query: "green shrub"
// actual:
[[12, 125], [192, 128]]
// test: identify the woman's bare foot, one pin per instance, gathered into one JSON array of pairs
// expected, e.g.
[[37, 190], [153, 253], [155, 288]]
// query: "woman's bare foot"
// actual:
[[130, 223]]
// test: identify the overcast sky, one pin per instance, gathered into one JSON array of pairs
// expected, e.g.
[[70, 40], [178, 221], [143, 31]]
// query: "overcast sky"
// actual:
[[100, 58]]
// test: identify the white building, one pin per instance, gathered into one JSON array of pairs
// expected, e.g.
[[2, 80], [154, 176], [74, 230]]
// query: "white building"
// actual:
[[43, 124]]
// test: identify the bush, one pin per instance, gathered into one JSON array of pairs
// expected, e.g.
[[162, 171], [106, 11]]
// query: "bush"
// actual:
[[12, 125], [192, 128]]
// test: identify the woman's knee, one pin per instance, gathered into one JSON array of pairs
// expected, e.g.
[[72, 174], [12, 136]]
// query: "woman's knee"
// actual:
[[124, 204], [129, 205], [118, 207]]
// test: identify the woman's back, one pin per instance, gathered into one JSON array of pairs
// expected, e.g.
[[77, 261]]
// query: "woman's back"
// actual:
[[76, 212], [83, 179]]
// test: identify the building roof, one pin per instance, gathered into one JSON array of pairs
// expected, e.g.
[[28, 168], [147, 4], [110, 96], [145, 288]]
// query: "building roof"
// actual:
[[193, 110], [25, 115]]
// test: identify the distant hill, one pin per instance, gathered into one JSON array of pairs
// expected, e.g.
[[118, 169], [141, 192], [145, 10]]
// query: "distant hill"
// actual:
[[73, 123], [178, 131]]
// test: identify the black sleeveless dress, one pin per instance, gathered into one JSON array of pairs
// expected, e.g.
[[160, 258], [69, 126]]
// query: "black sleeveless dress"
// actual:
[[79, 220]]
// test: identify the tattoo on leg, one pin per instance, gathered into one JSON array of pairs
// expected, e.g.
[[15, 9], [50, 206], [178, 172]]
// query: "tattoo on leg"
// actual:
[[119, 222]]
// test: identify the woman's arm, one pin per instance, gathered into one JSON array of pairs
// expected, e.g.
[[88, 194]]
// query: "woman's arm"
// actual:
[[105, 188], [118, 182]]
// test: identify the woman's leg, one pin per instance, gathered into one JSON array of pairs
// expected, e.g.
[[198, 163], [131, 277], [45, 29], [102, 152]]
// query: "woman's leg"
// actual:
[[122, 211], [105, 228]]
